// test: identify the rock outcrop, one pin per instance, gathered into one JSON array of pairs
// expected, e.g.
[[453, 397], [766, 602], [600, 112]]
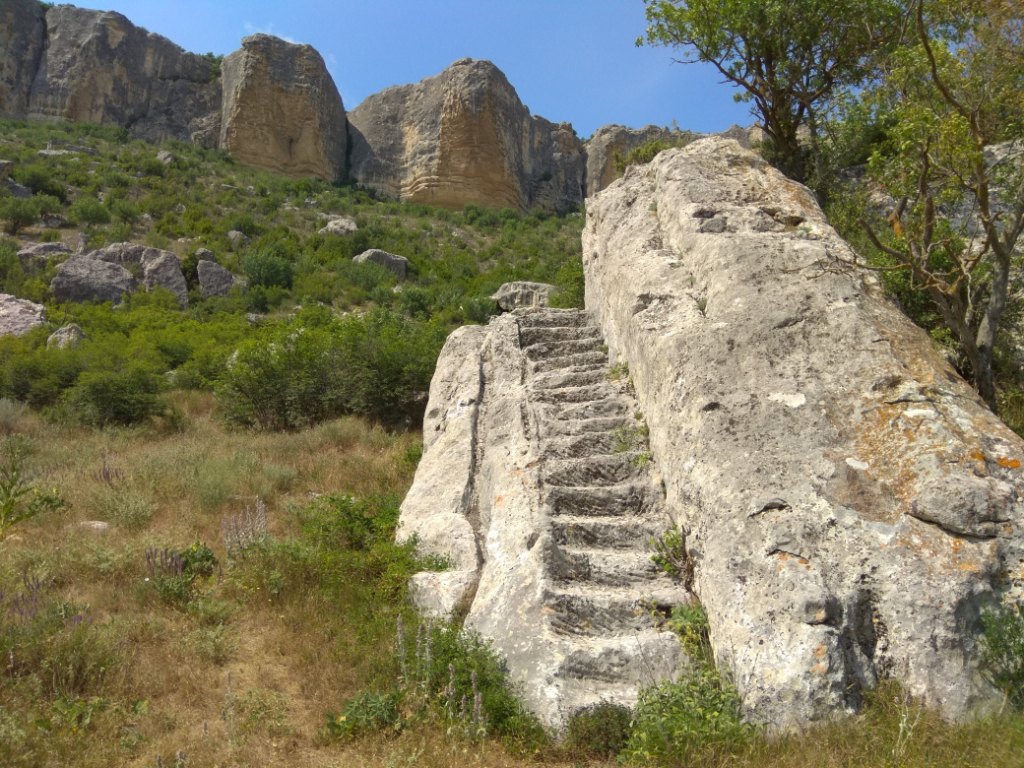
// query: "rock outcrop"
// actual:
[[22, 37], [533, 483], [611, 142], [214, 280], [36, 257], [98, 67], [159, 269], [464, 137], [282, 111], [851, 503], [521, 293], [19, 316], [399, 265], [82, 278], [66, 337]]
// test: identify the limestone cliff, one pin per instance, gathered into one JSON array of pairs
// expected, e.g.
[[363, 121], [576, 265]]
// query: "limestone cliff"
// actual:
[[98, 67], [851, 502], [281, 110], [22, 36], [463, 137]]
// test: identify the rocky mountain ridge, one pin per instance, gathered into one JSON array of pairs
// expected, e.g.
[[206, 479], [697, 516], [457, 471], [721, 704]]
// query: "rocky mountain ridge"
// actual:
[[460, 137]]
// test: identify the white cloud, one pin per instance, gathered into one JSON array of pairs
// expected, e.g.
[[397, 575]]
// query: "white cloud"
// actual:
[[267, 29]]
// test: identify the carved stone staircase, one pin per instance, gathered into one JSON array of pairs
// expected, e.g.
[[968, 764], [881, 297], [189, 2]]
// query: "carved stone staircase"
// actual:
[[604, 599]]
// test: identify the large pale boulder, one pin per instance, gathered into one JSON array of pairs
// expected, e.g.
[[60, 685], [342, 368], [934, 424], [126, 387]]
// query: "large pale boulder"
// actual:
[[19, 316], [214, 280], [36, 256], [852, 505], [282, 111], [98, 67], [22, 37], [463, 137], [399, 265], [522, 293]]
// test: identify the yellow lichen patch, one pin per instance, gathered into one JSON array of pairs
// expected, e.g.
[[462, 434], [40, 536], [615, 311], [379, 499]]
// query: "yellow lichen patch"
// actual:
[[1007, 463]]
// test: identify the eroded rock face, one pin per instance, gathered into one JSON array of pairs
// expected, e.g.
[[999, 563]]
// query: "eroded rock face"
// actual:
[[22, 37], [610, 142], [851, 502], [399, 265], [83, 278], [157, 268], [528, 485], [522, 293], [282, 111], [214, 280], [464, 137], [19, 316], [97, 67]]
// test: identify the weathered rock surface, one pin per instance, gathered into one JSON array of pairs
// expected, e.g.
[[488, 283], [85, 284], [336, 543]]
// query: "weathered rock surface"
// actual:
[[159, 269], [523, 294], [83, 278], [852, 504], [462, 137], [390, 261], [528, 485], [339, 225], [66, 337], [22, 37], [610, 142], [238, 240], [214, 280], [282, 111], [37, 256], [19, 316], [98, 67]]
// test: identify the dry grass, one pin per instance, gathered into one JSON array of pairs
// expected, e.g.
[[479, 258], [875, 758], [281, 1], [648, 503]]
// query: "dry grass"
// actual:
[[243, 675]]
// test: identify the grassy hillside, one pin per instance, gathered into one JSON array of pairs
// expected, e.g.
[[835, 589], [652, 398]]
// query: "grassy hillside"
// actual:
[[194, 584]]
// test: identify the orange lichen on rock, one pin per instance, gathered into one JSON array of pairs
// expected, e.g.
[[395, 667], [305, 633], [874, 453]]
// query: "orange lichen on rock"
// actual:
[[1007, 463]]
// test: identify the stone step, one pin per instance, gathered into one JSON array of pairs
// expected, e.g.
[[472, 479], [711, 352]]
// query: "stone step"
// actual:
[[581, 446], [594, 612], [591, 471], [574, 377], [561, 348], [606, 407], [548, 318], [553, 428], [635, 497], [616, 659], [565, 361], [632, 533], [548, 334], [616, 568], [572, 394]]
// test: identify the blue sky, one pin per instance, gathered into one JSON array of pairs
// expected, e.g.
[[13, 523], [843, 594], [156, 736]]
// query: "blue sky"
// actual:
[[569, 60]]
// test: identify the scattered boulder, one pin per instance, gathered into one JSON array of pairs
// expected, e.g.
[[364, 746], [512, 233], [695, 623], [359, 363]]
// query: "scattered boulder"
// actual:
[[397, 264], [339, 225], [281, 110], [19, 316], [54, 221], [523, 294], [18, 190], [850, 503], [34, 258], [66, 337], [464, 137], [238, 240], [214, 280], [165, 157], [83, 278]]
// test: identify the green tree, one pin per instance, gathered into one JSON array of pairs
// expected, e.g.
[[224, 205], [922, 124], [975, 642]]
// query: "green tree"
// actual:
[[789, 58], [953, 162], [18, 213]]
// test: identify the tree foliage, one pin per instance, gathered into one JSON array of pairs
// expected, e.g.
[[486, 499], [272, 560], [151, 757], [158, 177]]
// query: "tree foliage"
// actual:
[[790, 59], [953, 162]]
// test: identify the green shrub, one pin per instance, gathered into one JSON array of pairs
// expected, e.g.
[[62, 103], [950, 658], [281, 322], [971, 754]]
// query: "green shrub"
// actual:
[[40, 180], [267, 270], [1002, 651], [89, 211], [106, 398], [364, 713], [20, 499], [18, 213], [600, 731]]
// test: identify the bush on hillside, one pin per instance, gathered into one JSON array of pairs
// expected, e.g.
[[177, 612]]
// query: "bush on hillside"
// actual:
[[107, 398]]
